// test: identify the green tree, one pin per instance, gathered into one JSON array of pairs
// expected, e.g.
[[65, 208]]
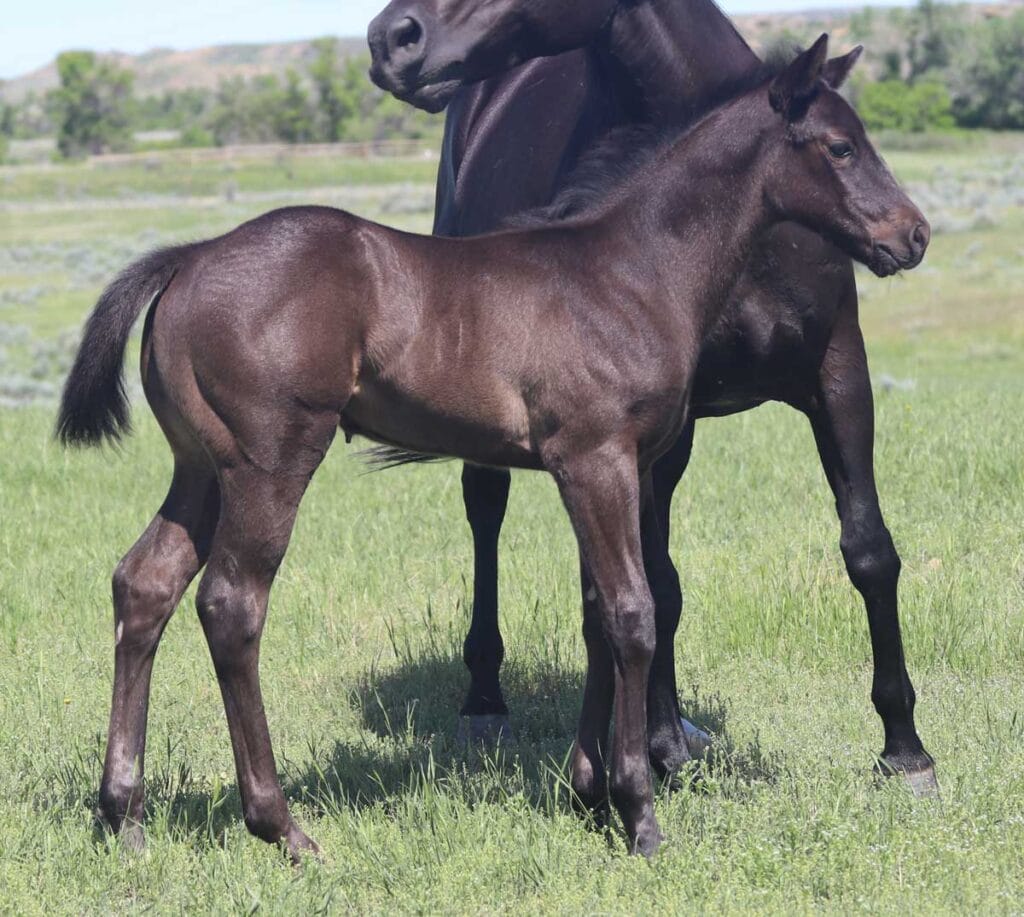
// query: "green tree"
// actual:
[[8, 115], [934, 30], [339, 89], [294, 116], [91, 106], [987, 75], [894, 105]]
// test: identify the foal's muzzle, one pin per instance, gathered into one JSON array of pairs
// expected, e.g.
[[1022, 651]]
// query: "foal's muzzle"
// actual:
[[901, 254]]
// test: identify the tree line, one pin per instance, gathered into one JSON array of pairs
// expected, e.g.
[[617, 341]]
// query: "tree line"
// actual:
[[934, 66], [938, 66], [95, 110]]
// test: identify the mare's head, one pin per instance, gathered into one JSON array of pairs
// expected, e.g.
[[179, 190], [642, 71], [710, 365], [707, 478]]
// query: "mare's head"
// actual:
[[424, 50], [826, 174]]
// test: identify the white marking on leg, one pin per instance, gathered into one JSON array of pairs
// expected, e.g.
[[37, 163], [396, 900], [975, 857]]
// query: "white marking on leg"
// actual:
[[591, 594], [119, 633]]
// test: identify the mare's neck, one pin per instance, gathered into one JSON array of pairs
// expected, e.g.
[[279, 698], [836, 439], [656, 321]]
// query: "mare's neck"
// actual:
[[671, 56]]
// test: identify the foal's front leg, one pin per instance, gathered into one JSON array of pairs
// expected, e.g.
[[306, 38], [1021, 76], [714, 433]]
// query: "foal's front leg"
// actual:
[[601, 491]]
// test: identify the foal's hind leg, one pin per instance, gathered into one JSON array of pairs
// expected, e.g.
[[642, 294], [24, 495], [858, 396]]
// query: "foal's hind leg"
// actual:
[[148, 584], [257, 515], [843, 423]]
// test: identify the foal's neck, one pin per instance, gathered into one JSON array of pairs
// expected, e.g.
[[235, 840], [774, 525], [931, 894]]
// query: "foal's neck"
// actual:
[[672, 56], [699, 209]]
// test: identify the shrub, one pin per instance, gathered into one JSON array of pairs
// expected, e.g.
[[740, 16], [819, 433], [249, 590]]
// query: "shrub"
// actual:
[[894, 105]]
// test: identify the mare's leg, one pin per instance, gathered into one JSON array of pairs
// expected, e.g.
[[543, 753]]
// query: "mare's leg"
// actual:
[[485, 494], [257, 515], [668, 745], [601, 492], [843, 423], [148, 584]]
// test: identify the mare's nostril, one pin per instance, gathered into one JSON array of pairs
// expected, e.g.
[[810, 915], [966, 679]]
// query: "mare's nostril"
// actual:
[[406, 35]]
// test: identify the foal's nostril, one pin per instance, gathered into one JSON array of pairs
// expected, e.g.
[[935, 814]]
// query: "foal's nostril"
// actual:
[[921, 235], [406, 36]]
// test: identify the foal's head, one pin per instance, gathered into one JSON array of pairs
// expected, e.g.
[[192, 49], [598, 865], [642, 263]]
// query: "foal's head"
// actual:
[[424, 50], [826, 174]]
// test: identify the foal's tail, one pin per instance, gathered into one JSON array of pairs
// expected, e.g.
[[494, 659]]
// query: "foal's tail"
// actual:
[[95, 406]]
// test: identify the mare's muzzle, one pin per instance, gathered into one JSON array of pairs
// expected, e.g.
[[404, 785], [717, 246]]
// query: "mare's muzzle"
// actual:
[[398, 47]]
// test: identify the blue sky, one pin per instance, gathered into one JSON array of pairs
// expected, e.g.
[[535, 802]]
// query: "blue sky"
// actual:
[[34, 31]]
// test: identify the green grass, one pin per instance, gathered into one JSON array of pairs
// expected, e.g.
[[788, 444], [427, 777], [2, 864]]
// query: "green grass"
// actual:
[[157, 175], [361, 666]]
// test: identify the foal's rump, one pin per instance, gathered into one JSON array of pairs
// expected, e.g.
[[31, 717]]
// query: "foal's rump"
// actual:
[[255, 313]]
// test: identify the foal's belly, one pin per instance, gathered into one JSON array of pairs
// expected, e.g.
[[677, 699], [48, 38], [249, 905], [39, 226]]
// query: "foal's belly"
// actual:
[[486, 428]]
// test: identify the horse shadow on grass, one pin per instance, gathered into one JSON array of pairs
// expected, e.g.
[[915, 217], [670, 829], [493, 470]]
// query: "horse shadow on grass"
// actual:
[[407, 741], [409, 722]]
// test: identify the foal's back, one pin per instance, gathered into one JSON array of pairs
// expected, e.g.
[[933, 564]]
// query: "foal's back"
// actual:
[[309, 312]]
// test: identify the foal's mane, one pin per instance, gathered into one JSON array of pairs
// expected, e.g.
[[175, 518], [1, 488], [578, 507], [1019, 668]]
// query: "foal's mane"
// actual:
[[624, 152]]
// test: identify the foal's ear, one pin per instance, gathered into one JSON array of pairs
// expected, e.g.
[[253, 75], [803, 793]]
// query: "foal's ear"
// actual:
[[793, 89], [838, 69]]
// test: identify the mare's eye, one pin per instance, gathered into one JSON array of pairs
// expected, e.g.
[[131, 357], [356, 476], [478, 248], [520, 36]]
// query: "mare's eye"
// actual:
[[840, 149]]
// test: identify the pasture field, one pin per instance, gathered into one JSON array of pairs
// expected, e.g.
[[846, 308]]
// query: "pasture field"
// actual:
[[361, 656]]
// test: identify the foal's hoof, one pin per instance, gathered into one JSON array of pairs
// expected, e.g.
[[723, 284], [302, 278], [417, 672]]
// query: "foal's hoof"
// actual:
[[918, 772], [647, 842], [300, 846], [488, 729], [133, 838], [130, 834]]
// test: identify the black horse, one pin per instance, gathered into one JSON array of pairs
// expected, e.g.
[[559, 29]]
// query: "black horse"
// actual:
[[514, 138], [508, 349]]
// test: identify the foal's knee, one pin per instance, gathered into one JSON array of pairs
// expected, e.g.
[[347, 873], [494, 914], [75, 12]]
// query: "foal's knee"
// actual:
[[144, 599], [231, 617], [630, 629], [871, 560]]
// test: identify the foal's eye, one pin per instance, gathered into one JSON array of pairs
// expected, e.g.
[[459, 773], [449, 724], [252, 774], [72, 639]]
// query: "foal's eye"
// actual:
[[840, 149]]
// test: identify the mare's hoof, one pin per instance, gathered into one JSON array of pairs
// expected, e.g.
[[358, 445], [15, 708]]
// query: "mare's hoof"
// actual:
[[923, 783], [671, 754], [488, 729], [697, 740], [918, 773]]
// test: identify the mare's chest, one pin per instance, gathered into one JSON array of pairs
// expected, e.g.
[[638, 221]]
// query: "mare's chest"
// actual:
[[771, 339]]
